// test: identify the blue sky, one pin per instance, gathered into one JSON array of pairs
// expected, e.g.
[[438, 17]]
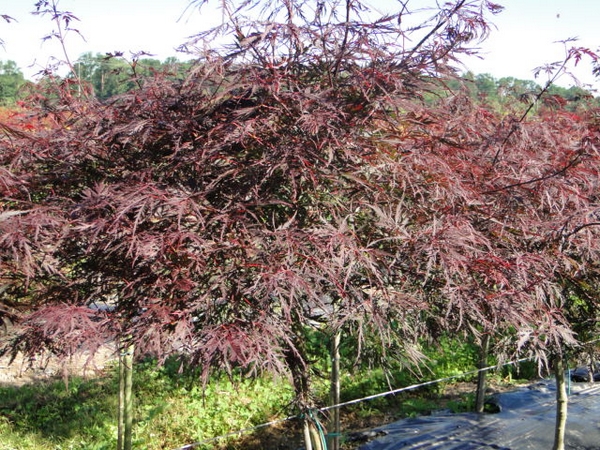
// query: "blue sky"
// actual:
[[525, 38], [527, 35]]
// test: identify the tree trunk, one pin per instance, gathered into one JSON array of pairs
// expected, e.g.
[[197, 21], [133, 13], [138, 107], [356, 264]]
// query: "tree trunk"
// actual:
[[125, 416], [561, 404], [481, 375], [334, 394]]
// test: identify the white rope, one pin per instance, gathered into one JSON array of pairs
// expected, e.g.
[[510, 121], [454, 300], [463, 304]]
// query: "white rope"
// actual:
[[416, 386]]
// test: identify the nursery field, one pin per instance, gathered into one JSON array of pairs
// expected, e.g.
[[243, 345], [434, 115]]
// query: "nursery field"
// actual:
[[39, 411]]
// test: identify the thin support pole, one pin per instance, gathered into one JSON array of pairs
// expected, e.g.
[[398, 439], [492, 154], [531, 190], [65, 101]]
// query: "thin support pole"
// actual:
[[333, 437], [128, 399], [561, 403], [121, 406]]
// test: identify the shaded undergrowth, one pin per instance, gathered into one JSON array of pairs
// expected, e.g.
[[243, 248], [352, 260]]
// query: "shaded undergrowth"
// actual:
[[174, 409]]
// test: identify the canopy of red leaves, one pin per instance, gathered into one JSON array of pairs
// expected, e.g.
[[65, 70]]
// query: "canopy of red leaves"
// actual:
[[300, 175]]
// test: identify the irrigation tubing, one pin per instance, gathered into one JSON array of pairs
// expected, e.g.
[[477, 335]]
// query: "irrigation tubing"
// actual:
[[351, 402]]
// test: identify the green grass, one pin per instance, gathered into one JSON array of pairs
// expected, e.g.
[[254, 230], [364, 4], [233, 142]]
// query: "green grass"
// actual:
[[172, 409], [51, 416]]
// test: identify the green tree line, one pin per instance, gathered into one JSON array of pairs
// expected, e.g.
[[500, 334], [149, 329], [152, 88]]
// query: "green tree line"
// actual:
[[502, 94], [112, 74], [107, 74]]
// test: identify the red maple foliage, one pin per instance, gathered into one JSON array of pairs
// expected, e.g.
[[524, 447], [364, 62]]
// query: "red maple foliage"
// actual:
[[298, 174], [510, 212]]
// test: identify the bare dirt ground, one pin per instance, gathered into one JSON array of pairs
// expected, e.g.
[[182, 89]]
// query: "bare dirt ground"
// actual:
[[23, 371]]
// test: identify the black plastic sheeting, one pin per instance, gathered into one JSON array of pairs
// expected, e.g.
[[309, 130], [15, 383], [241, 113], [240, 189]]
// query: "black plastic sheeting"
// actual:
[[525, 421]]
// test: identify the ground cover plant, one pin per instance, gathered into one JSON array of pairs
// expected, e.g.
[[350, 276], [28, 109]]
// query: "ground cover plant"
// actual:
[[305, 177], [173, 410]]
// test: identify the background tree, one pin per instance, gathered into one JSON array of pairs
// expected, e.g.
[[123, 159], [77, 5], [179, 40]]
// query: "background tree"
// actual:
[[497, 216], [11, 80], [553, 186], [112, 74]]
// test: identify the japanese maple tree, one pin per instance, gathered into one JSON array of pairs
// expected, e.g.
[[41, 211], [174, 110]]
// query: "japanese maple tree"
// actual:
[[299, 171]]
